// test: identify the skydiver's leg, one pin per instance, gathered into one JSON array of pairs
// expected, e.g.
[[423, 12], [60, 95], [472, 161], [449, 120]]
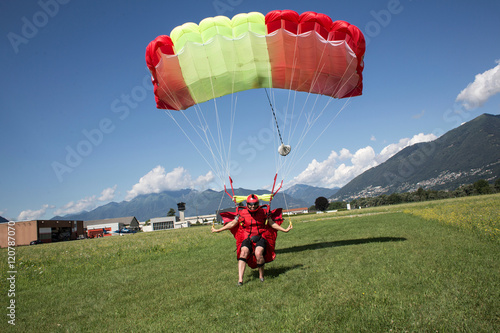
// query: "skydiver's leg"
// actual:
[[242, 262], [259, 255]]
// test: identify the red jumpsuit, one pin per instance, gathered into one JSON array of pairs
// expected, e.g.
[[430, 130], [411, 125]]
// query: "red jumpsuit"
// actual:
[[251, 224]]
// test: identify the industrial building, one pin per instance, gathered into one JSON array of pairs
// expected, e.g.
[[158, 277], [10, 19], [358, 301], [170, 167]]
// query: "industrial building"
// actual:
[[164, 223], [114, 225], [45, 231]]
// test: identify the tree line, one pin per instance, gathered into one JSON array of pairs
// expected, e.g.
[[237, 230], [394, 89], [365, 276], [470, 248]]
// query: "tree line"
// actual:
[[479, 187]]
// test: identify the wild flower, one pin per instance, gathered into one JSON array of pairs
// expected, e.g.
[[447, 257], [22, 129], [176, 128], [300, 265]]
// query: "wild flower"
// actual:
[[481, 215]]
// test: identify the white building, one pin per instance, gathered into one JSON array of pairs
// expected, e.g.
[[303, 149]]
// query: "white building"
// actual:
[[295, 211], [165, 223], [116, 224], [200, 219]]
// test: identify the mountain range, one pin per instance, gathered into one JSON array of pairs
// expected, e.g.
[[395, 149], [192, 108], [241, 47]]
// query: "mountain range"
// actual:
[[461, 156], [147, 206]]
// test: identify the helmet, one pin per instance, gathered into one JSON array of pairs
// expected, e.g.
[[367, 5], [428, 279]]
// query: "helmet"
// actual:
[[252, 202]]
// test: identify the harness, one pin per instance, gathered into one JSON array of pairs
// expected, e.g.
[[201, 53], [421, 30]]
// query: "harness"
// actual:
[[254, 225]]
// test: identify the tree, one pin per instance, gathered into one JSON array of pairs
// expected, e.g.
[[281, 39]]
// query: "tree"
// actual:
[[394, 198], [171, 212], [321, 203], [497, 185], [337, 205], [421, 194], [482, 187]]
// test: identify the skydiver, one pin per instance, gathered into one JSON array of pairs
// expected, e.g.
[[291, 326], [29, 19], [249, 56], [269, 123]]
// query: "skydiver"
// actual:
[[255, 239]]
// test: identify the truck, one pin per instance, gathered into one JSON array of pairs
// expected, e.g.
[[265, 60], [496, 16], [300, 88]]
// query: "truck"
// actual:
[[99, 232]]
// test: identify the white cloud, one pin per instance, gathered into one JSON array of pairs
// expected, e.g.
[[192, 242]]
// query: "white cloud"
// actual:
[[73, 207], [485, 85], [373, 138], [87, 203], [27, 215], [394, 148], [157, 180], [329, 173], [364, 156], [345, 154], [421, 137], [108, 194]]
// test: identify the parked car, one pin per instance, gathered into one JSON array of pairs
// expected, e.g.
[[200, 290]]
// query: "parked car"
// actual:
[[35, 242], [127, 231]]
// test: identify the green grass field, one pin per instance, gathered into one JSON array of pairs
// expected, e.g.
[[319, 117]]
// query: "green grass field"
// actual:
[[427, 267]]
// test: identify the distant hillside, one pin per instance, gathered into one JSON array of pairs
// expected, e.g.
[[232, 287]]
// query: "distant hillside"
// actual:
[[310, 193], [461, 156], [148, 206], [3, 219]]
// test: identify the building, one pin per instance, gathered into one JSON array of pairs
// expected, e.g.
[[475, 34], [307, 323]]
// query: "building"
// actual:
[[115, 224], [200, 219], [46, 231], [165, 223], [295, 211]]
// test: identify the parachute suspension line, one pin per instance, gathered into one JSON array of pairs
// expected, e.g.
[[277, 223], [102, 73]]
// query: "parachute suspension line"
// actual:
[[323, 131], [311, 117], [283, 149], [220, 202], [307, 117], [221, 147], [207, 141], [234, 102], [167, 112], [213, 144], [274, 114], [281, 162], [167, 91], [277, 160], [322, 111], [203, 126], [294, 66], [231, 131], [340, 110]]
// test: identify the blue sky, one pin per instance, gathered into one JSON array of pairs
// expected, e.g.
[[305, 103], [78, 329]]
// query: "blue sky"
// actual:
[[80, 127]]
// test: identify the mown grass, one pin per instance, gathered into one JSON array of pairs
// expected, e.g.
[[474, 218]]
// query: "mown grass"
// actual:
[[389, 269]]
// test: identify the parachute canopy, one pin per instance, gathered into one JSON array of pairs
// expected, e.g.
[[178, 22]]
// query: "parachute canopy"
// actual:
[[220, 56]]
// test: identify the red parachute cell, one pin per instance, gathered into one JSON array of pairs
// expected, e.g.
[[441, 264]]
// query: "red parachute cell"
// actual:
[[168, 94]]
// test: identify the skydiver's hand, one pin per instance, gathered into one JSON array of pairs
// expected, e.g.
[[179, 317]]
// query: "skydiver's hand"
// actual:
[[214, 230], [290, 227]]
